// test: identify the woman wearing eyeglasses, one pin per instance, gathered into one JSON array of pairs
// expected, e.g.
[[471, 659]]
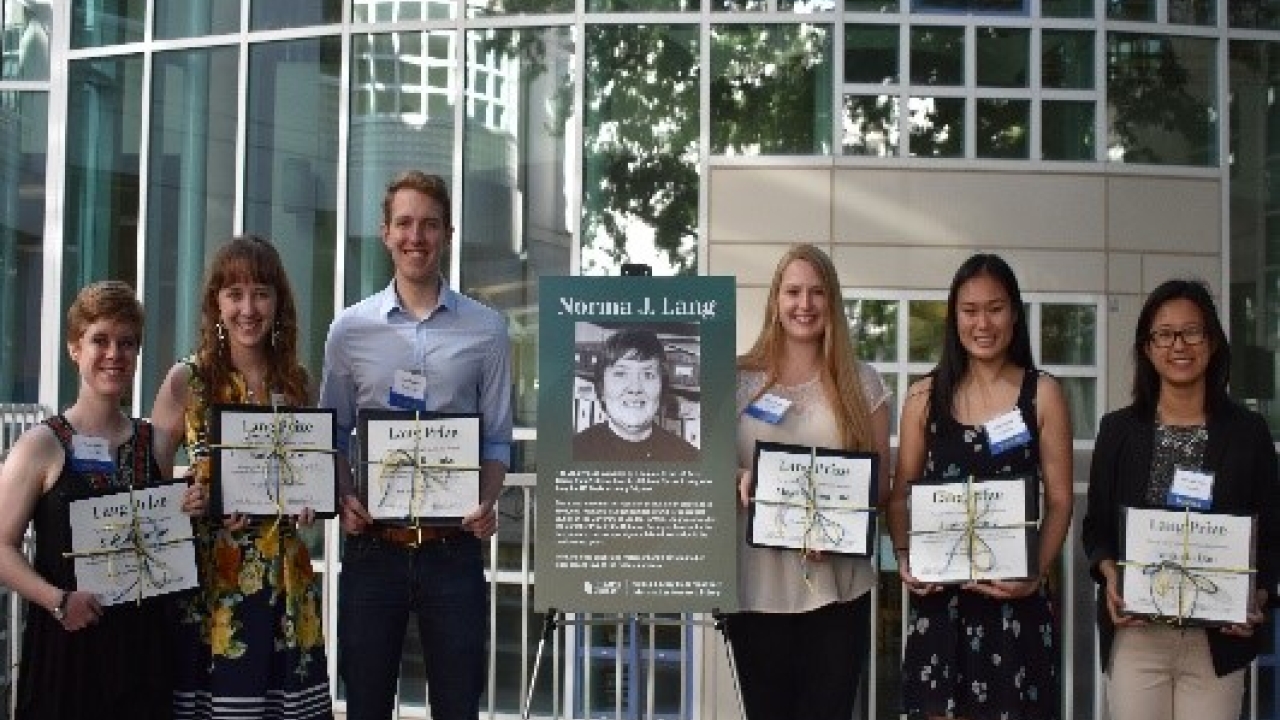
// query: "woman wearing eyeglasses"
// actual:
[[1181, 443]]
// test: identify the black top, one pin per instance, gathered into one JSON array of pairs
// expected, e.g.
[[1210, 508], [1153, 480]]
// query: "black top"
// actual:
[[1243, 459], [598, 442]]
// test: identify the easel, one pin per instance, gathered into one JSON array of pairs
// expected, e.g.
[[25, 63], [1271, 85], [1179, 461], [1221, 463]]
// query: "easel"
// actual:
[[553, 619]]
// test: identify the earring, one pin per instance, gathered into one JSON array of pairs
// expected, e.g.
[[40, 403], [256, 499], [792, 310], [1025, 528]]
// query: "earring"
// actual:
[[275, 334], [222, 336]]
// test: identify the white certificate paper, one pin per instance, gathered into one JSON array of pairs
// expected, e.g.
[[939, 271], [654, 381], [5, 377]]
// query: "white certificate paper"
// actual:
[[1188, 567], [126, 548], [813, 499], [420, 467], [983, 529], [269, 462]]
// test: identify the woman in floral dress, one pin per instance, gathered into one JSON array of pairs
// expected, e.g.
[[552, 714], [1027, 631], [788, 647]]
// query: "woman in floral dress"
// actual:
[[251, 642], [984, 650]]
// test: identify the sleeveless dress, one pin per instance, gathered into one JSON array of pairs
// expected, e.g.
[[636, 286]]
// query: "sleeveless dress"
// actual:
[[251, 643], [118, 667], [968, 655]]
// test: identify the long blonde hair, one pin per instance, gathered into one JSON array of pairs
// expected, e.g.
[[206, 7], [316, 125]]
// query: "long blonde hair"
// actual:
[[840, 380]]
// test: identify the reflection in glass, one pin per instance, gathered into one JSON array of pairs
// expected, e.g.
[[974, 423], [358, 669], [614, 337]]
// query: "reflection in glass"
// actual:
[[926, 326], [642, 5], [970, 6], [291, 171], [640, 149], [873, 325], [771, 89], [1161, 99], [23, 143], [1068, 333], [100, 219], [489, 8], [1193, 12], [871, 125], [1066, 59], [276, 15], [1261, 14], [1003, 57], [871, 53], [24, 39], [871, 6], [1066, 8], [1137, 10], [937, 126], [190, 191], [516, 225], [937, 55], [1082, 402], [388, 11], [196, 18], [95, 23], [1067, 130], [1004, 128]]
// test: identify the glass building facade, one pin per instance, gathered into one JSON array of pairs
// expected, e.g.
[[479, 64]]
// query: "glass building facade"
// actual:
[[578, 135]]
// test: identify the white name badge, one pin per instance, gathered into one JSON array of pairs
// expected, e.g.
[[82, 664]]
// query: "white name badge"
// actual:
[[91, 454], [1191, 489], [408, 391], [769, 408], [1007, 431]]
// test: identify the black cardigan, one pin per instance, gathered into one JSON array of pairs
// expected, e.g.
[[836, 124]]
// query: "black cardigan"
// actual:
[[1241, 455]]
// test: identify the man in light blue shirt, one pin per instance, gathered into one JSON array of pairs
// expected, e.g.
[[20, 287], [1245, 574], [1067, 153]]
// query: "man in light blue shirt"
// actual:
[[418, 345]]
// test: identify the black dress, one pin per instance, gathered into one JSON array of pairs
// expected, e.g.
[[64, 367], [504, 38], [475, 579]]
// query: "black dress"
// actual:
[[118, 667], [968, 655]]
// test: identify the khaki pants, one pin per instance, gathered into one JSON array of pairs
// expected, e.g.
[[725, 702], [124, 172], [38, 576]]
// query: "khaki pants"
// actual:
[[1165, 673]]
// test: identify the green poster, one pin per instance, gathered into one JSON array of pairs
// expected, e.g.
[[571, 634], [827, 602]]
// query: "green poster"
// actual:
[[636, 454]]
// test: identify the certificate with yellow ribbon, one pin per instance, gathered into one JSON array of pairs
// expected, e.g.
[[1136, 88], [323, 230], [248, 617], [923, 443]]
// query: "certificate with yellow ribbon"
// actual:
[[1185, 567], [974, 529], [273, 461], [808, 498], [419, 467], [130, 545]]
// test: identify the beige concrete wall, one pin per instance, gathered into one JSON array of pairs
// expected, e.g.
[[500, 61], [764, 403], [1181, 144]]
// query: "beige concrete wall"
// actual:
[[1109, 235]]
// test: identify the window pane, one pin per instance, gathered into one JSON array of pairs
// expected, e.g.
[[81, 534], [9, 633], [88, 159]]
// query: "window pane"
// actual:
[[1082, 402], [771, 90], [382, 136], [871, 125], [925, 330], [100, 222], [1193, 12], [1068, 334], [873, 325], [1067, 59], [24, 135], [276, 15], [485, 8], [875, 6], [1066, 8], [24, 39], [190, 191], [972, 6], [1004, 128], [937, 56], [937, 127], [291, 171], [1137, 10], [1003, 57], [1160, 93], [1262, 14], [1067, 130], [640, 149], [515, 174], [871, 54], [95, 23], [196, 18], [641, 5]]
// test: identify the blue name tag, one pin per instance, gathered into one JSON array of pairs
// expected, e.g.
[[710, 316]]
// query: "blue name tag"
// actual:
[[769, 408], [1006, 432], [407, 402]]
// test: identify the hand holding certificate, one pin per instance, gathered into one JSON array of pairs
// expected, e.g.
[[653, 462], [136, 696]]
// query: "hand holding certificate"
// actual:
[[419, 467], [978, 529], [273, 461], [132, 545], [813, 499], [1187, 568]]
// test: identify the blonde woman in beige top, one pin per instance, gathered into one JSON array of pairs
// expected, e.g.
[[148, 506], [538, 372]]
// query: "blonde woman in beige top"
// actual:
[[800, 637]]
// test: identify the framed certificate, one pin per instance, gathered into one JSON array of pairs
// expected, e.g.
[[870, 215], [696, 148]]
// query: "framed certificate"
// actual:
[[806, 498], [975, 529], [1185, 567], [131, 545], [273, 461], [419, 467]]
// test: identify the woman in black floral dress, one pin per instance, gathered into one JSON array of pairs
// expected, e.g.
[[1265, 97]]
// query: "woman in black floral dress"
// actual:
[[983, 650]]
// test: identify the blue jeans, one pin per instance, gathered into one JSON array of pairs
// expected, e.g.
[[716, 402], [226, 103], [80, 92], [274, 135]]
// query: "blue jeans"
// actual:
[[442, 583]]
